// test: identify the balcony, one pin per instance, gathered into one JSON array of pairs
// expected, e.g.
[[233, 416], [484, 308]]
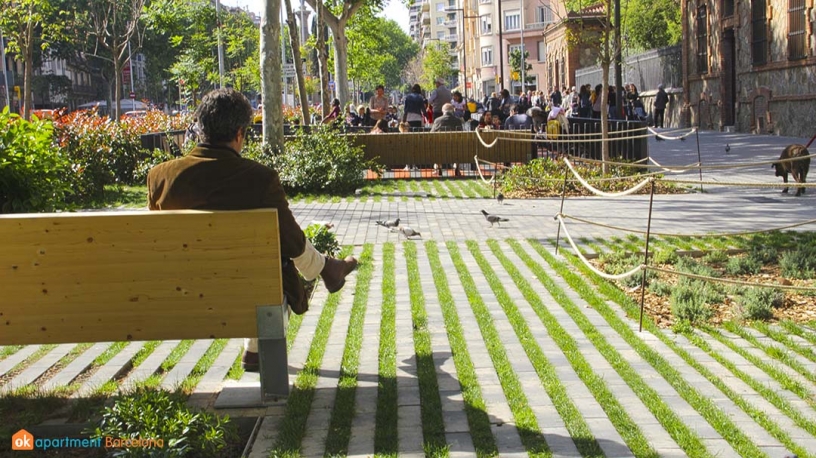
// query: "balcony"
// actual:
[[426, 18], [449, 23], [537, 25], [451, 38]]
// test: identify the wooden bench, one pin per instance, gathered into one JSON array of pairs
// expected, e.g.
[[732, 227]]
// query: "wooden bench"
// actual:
[[139, 275]]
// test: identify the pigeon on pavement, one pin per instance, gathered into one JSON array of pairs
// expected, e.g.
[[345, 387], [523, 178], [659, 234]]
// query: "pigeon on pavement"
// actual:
[[494, 218], [389, 223], [727, 147], [408, 232], [500, 198]]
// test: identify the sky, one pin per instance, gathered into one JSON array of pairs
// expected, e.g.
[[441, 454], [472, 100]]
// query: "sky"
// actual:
[[395, 9]]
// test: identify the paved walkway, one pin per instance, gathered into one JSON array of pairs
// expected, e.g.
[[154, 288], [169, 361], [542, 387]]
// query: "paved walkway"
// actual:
[[603, 368]]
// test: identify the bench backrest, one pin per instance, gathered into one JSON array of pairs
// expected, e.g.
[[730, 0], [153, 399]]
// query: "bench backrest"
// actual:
[[115, 276]]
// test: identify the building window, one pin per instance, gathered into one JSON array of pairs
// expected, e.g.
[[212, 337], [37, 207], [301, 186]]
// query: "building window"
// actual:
[[487, 56], [542, 51], [728, 8], [797, 24], [512, 20], [543, 14], [440, 6], [440, 20], [487, 24], [440, 35], [759, 32], [702, 39], [512, 48]]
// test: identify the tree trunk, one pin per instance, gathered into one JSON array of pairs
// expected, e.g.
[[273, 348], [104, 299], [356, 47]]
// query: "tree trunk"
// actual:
[[294, 38], [271, 78], [29, 75], [605, 116], [117, 84], [341, 64], [323, 64]]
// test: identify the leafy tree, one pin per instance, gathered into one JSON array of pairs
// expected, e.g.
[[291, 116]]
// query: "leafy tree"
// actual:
[[26, 24], [294, 45], [515, 66], [436, 63], [368, 64], [653, 23]]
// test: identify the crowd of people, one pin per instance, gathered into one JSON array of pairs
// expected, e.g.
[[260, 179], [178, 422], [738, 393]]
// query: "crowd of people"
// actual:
[[537, 111]]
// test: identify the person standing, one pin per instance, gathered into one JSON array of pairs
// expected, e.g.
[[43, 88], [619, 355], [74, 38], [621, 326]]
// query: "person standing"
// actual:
[[415, 105], [378, 105], [661, 100], [439, 97]]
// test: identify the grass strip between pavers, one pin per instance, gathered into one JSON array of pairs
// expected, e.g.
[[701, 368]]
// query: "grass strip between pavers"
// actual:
[[203, 365], [9, 350], [343, 412], [785, 340], [573, 420], [167, 365], [760, 416], [783, 356], [478, 421], [523, 416], [144, 352], [386, 440], [626, 427], [679, 242], [797, 330], [293, 426], [729, 431], [433, 425]]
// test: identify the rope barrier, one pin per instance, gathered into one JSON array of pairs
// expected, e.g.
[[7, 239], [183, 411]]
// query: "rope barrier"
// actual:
[[598, 192], [479, 136], [667, 234], [522, 132], [587, 263], [640, 267], [666, 137], [728, 280], [670, 170], [560, 180], [479, 169], [745, 184], [704, 167]]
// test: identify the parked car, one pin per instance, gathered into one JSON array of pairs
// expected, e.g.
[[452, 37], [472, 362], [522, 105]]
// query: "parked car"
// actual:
[[135, 114]]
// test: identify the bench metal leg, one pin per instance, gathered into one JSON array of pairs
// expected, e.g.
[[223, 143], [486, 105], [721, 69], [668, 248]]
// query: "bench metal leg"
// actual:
[[274, 364]]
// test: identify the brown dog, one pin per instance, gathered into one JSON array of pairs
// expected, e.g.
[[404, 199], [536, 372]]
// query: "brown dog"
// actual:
[[798, 168]]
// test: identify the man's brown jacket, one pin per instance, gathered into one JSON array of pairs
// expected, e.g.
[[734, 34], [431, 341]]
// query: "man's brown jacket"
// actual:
[[218, 178]]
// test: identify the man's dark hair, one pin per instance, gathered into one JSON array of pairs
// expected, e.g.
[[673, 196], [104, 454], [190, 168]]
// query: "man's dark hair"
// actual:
[[222, 113], [416, 89], [380, 86]]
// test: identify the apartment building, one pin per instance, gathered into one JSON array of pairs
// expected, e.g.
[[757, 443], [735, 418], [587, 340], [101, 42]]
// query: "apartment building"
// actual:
[[436, 21]]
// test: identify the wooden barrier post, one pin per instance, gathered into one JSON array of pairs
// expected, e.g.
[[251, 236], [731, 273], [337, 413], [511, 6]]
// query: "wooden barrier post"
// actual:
[[646, 257]]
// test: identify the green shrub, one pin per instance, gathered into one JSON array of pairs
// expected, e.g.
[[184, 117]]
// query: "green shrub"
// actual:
[[688, 264], [665, 256], [157, 414], [143, 167], [715, 257], [660, 288], [322, 239], [618, 262], [764, 254], [690, 301], [799, 263], [323, 161], [31, 167], [758, 303], [745, 265]]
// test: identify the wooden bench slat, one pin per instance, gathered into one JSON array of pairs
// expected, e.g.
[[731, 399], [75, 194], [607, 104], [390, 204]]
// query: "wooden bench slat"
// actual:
[[136, 275]]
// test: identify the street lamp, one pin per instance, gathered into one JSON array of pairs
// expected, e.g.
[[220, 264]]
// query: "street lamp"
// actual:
[[464, 46]]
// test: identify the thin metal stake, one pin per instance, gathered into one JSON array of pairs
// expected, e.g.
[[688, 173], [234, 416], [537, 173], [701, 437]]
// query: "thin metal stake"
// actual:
[[699, 159], [646, 257], [561, 211]]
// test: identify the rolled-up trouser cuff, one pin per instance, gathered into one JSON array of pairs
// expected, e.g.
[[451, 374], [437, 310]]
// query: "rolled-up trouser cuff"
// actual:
[[310, 263]]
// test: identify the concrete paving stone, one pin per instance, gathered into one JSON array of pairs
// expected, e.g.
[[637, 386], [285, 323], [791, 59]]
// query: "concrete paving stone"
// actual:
[[460, 444], [266, 437], [75, 367], [110, 370], [37, 368], [150, 365], [186, 364], [17, 357]]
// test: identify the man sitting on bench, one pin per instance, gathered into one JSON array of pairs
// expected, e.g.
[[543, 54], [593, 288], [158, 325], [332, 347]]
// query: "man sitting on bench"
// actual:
[[214, 176]]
